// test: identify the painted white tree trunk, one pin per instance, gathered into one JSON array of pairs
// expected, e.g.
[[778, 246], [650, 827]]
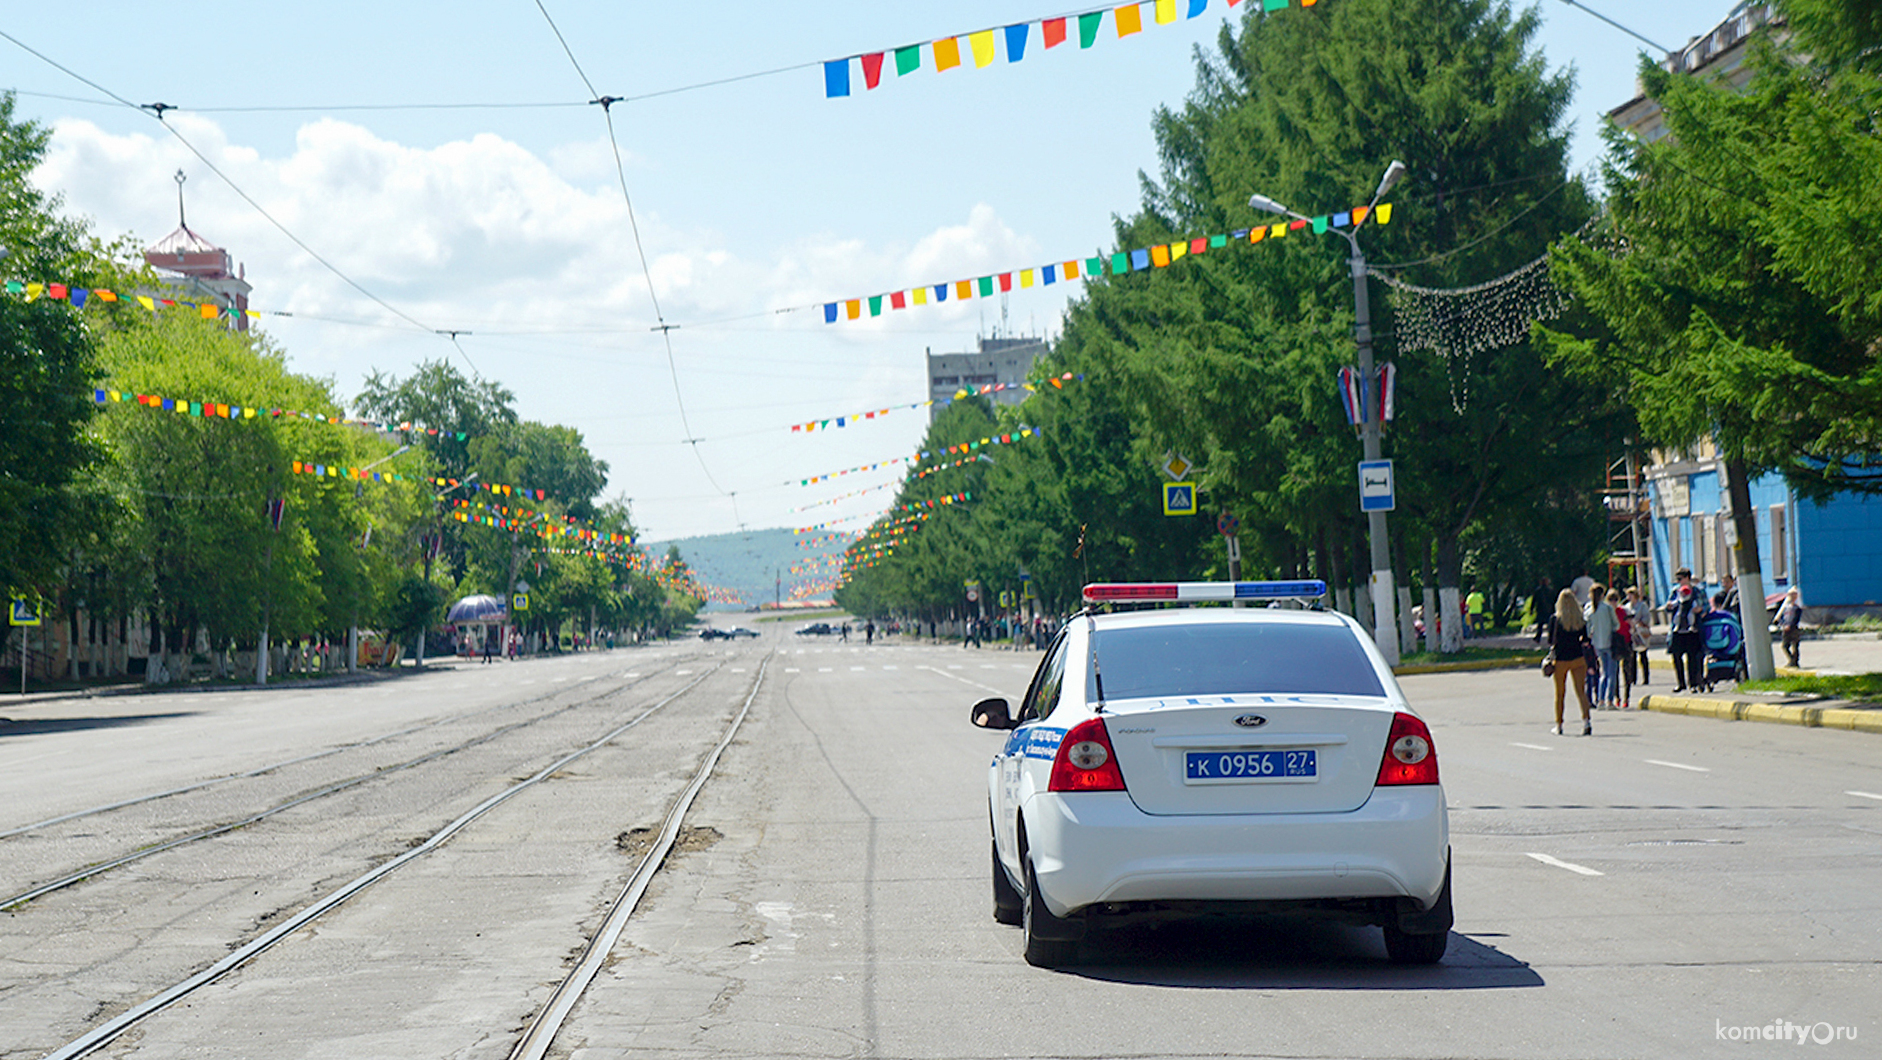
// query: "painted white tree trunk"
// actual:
[[1451, 637]]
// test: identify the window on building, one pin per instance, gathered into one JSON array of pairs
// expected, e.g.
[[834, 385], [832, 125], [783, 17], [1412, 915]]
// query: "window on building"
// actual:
[[946, 380], [1673, 542], [1722, 551], [1780, 543], [1699, 551]]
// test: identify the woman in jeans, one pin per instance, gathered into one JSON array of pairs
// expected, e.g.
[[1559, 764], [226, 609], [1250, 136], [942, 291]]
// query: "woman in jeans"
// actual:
[[1640, 625], [1568, 637], [1602, 622]]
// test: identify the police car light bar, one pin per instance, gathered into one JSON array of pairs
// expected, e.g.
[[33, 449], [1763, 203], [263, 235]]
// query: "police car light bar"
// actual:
[[1183, 592]]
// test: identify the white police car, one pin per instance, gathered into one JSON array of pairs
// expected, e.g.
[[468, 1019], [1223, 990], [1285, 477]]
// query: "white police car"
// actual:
[[1216, 760]]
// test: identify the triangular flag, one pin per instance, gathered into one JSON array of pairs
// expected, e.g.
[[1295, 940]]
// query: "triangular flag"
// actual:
[[1006, 281], [1159, 255], [1140, 259], [1048, 275], [921, 295], [898, 300], [1053, 30], [940, 292], [947, 54], [836, 78], [829, 312], [963, 288], [1129, 19], [1120, 263], [1166, 12], [982, 44], [1088, 24], [1094, 266], [1025, 278], [872, 70], [1383, 213], [875, 310], [907, 60], [1320, 225], [1196, 7], [853, 308]]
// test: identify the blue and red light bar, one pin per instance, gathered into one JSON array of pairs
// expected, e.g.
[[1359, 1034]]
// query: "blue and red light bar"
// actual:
[[1188, 592]]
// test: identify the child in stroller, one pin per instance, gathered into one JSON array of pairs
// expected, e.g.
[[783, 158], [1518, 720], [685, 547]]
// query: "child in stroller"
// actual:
[[1724, 637]]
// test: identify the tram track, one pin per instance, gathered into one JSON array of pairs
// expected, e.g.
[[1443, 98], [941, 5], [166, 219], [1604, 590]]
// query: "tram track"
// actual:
[[13, 902], [105, 1033]]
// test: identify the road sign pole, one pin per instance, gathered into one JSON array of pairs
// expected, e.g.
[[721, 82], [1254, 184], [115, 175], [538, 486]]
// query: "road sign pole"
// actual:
[[1384, 593]]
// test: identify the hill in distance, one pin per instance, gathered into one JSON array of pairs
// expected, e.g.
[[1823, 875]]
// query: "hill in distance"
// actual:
[[747, 562]]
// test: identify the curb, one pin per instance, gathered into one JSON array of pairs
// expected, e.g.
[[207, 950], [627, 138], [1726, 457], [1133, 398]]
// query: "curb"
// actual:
[[1852, 718], [1515, 663]]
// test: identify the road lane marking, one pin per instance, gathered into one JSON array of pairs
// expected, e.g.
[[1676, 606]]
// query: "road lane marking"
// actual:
[[1569, 865], [823, 669], [1533, 746], [792, 670], [963, 680], [858, 669], [1676, 765], [1864, 794]]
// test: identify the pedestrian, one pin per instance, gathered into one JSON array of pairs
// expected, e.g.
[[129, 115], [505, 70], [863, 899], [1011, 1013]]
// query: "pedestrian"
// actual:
[[1684, 643], [1640, 627], [1568, 651], [869, 632], [846, 632], [1790, 623], [1623, 651], [489, 647], [1602, 625], [1539, 607], [1729, 586], [1476, 618]]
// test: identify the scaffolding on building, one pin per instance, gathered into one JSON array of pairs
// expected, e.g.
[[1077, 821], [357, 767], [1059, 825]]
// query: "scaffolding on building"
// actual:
[[1629, 515]]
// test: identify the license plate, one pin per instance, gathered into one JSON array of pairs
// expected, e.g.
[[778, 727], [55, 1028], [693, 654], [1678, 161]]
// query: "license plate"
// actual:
[[1249, 765]]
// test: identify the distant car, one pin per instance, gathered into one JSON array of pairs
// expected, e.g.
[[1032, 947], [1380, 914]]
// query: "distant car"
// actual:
[[740, 631], [713, 633], [816, 629], [1215, 761]]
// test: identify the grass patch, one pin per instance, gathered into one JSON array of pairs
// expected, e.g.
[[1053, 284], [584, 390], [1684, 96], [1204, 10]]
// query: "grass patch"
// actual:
[[801, 616], [1855, 624], [1421, 658], [1858, 687]]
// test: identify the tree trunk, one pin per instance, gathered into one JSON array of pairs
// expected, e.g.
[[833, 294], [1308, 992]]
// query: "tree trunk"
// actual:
[[1336, 574], [1407, 636], [1759, 663], [1430, 601], [1451, 632]]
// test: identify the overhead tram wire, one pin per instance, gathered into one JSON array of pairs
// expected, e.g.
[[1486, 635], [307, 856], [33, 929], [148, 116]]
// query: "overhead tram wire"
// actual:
[[620, 169], [156, 111]]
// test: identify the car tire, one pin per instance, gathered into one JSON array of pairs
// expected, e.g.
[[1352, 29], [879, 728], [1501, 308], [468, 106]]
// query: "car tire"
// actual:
[[1035, 918], [1409, 947], [1009, 906]]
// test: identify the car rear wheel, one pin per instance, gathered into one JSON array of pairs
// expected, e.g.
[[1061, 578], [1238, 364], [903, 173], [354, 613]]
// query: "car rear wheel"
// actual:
[[1009, 907], [1038, 921], [1411, 947]]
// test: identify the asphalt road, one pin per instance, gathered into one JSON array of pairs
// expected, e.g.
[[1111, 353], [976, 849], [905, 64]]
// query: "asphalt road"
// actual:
[[1658, 890]]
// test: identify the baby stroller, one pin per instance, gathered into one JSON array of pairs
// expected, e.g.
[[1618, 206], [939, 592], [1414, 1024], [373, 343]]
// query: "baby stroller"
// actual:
[[1724, 638]]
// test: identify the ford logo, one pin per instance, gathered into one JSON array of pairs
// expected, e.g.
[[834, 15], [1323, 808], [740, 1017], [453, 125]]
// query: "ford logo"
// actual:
[[1251, 721]]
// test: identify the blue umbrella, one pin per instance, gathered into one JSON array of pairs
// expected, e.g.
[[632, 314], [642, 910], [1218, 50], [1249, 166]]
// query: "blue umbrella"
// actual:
[[478, 609]]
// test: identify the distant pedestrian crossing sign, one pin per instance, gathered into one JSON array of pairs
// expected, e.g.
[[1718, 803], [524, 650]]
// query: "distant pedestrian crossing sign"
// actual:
[[22, 613], [1179, 498]]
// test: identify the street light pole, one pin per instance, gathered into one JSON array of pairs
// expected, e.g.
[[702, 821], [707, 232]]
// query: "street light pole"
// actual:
[[1384, 592]]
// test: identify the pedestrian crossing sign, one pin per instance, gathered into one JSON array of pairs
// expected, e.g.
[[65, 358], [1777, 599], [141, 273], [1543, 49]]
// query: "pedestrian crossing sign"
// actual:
[[1179, 498], [22, 613]]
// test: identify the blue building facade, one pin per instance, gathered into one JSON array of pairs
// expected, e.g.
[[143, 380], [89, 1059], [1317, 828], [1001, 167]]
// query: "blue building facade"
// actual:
[[1831, 551]]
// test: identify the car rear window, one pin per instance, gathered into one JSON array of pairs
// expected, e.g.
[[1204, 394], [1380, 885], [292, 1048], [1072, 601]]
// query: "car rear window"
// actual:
[[1222, 659]]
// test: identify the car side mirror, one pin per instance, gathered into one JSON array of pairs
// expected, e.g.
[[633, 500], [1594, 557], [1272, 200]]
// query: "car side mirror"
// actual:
[[993, 714]]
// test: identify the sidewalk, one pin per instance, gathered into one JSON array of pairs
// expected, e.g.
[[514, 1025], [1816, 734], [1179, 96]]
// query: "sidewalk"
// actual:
[[1853, 653]]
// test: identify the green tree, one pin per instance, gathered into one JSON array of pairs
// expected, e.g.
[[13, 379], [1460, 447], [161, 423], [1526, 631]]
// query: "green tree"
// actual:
[[48, 369], [1230, 358]]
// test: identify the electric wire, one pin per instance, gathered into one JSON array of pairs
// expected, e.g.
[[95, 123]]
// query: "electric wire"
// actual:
[[156, 111], [620, 169]]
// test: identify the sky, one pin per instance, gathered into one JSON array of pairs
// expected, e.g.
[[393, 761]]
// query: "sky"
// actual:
[[496, 211]]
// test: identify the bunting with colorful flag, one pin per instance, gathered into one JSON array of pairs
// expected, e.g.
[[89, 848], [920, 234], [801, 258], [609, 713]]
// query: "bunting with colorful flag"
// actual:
[[1117, 264], [831, 422], [226, 411], [983, 47]]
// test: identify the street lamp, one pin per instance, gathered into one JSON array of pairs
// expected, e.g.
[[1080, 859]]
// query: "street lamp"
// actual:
[[1384, 593]]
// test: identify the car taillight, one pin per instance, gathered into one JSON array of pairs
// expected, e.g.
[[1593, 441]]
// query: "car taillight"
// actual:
[[1409, 756], [1085, 761]]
